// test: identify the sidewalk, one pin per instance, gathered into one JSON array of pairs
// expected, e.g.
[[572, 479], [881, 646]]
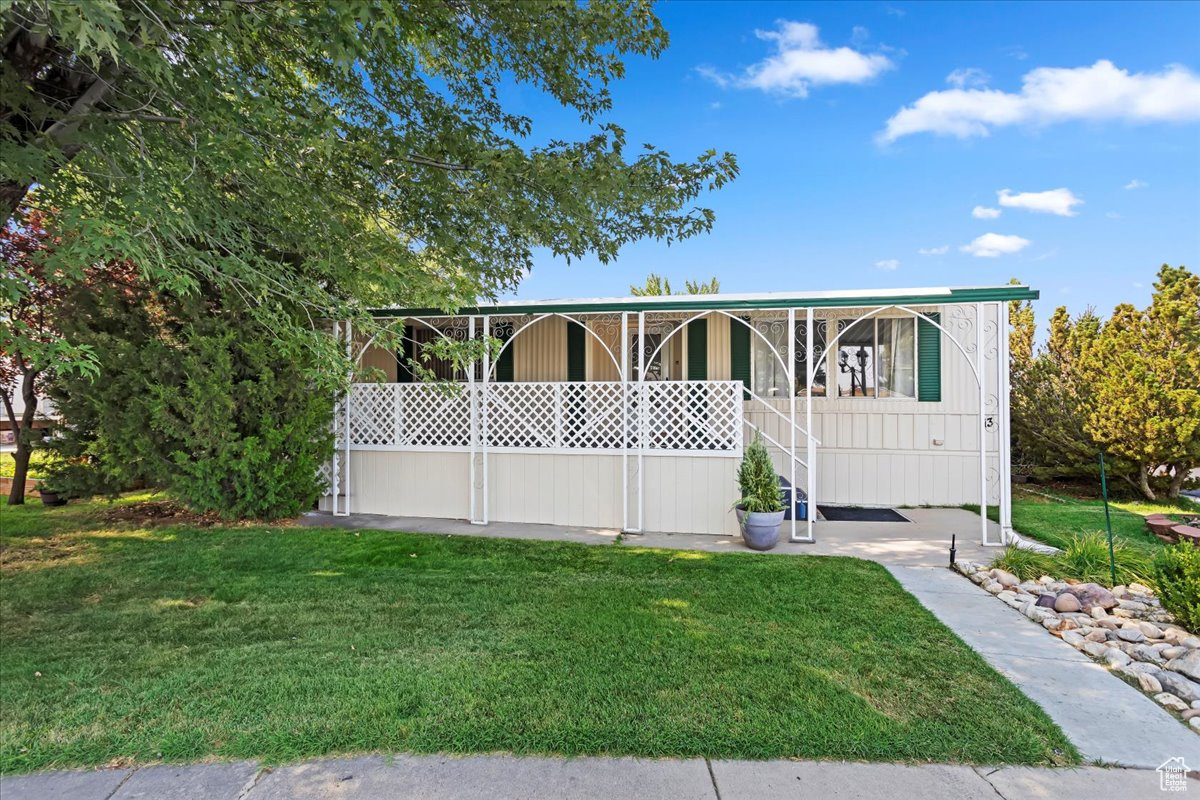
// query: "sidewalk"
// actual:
[[510, 777]]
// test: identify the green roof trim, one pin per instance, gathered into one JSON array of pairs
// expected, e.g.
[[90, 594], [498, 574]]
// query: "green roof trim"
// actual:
[[914, 297]]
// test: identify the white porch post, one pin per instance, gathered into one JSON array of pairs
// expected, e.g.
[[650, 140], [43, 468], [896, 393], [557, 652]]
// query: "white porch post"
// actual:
[[349, 406], [982, 376], [1004, 425], [474, 428], [811, 450], [483, 416], [791, 373], [641, 439], [334, 461], [624, 420]]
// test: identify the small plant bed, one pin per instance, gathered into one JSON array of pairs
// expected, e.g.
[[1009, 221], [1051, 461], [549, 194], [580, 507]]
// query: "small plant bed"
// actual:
[[170, 642], [1126, 629]]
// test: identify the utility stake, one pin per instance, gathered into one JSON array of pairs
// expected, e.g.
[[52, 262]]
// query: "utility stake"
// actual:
[[1112, 559]]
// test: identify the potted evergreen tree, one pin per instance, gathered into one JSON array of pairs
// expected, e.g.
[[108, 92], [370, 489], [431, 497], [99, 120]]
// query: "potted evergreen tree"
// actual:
[[760, 508]]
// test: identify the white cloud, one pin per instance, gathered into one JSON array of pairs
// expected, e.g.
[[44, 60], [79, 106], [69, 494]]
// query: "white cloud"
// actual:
[[983, 212], [935, 251], [1113, 215], [1053, 94], [970, 76], [991, 245], [1055, 201], [888, 264], [800, 62], [1136, 184]]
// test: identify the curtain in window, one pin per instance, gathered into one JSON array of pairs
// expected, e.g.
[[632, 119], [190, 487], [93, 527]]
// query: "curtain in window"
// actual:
[[770, 372], [897, 346]]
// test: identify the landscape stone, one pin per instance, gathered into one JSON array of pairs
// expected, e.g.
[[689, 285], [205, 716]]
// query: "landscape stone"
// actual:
[[1149, 683], [1095, 649], [1067, 602], [1046, 601], [1091, 595], [1132, 605], [1098, 612], [1115, 658], [1195, 723], [1131, 635], [1108, 623], [1005, 579], [1096, 635], [1171, 701], [1074, 638], [1150, 630], [1179, 686], [1145, 653], [1187, 664], [993, 587]]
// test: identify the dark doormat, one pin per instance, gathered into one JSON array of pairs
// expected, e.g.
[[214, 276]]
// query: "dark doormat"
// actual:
[[854, 514]]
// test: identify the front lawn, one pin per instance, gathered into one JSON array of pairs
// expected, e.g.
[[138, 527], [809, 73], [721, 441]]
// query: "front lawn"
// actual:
[[126, 640]]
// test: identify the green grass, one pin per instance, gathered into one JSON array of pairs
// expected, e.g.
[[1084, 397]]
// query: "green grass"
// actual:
[[181, 643], [1055, 517]]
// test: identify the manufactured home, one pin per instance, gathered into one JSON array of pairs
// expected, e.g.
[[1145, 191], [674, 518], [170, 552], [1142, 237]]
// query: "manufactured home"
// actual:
[[632, 413]]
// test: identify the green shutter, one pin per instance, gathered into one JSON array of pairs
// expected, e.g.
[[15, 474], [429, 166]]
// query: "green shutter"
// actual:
[[697, 347], [739, 353], [404, 356], [929, 359], [576, 352]]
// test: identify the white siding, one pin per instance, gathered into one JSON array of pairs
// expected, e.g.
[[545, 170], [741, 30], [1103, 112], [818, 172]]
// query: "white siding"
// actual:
[[416, 484]]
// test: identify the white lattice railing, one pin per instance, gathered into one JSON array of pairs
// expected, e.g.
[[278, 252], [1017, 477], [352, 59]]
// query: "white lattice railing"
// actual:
[[661, 416]]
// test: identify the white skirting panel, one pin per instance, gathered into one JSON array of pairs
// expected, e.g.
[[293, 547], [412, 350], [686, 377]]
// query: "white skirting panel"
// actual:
[[410, 484], [555, 489], [691, 495]]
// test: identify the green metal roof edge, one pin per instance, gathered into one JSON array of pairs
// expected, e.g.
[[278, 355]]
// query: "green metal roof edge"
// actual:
[[968, 295]]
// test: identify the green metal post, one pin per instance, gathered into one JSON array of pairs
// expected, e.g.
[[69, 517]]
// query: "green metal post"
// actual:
[[1112, 559]]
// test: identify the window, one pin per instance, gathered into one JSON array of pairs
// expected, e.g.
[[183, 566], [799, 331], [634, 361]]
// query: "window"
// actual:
[[873, 358], [768, 374]]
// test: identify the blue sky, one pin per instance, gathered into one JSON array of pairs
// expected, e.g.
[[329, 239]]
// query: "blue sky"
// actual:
[[827, 199]]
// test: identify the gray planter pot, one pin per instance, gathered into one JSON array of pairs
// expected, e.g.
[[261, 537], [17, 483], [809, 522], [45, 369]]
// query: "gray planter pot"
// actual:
[[760, 529]]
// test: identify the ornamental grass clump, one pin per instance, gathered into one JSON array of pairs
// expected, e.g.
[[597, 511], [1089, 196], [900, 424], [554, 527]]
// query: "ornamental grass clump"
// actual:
[[757, 480], [1027, 565], [1085, 558]]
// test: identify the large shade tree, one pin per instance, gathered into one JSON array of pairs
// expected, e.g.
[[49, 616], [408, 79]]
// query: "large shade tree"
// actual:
[[318, 158]]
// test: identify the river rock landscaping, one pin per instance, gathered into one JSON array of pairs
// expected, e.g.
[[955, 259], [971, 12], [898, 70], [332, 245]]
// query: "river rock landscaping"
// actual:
[[1125, 629]]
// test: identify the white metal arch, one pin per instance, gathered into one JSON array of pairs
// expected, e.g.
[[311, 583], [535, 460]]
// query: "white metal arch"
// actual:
[[547, 315], [375, 335], [976, 371], [702, 314], [832, 344]]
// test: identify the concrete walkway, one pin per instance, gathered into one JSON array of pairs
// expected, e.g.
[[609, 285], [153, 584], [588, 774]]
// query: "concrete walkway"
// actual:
[[499, 777], [1107, 719]]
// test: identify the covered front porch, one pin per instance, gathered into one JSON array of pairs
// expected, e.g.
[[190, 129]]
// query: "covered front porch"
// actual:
[[631, 414]]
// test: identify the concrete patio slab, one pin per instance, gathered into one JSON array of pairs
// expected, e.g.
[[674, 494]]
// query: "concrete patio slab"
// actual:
[[89, 784], [208, 781], [487, 778], [924, 541], [1107, 719]]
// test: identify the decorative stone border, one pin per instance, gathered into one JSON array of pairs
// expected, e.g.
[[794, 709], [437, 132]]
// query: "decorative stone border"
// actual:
[[1125, 629]]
